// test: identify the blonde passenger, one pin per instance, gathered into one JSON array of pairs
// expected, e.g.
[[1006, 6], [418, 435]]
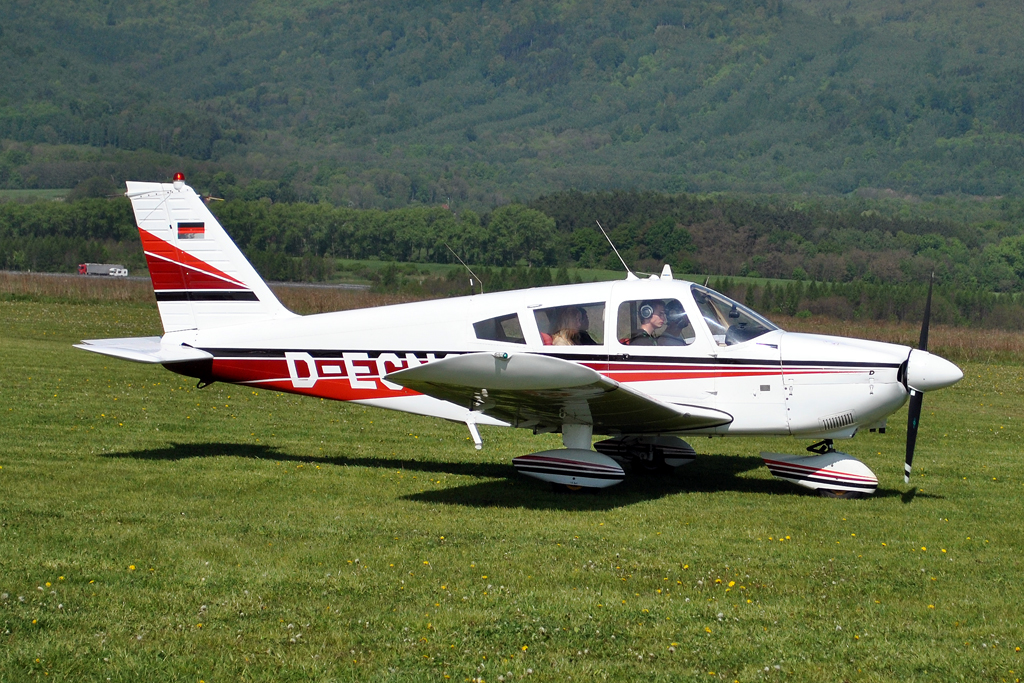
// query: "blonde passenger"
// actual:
[[572, 324], [569, 324]]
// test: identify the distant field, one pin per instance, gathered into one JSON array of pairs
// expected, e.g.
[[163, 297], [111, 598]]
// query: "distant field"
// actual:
[[23, 195], [152, 531]]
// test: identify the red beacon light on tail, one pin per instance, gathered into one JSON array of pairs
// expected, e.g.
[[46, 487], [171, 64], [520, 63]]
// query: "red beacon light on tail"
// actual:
[[179, 180]]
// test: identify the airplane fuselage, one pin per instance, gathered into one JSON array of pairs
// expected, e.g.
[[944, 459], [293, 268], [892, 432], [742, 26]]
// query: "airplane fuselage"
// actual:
[[777, 383]]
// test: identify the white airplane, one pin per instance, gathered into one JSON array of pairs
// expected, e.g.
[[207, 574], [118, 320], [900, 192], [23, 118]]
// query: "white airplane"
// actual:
[[643, 362]]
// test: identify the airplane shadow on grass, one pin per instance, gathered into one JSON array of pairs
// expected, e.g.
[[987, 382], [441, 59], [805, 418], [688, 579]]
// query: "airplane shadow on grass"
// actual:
[[507, 488]]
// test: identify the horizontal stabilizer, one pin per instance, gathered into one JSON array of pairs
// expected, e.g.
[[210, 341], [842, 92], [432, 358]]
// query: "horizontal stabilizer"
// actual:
[[143, 350], [532, 390]]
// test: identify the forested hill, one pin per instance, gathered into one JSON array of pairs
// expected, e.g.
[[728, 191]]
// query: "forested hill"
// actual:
[[386, 103]]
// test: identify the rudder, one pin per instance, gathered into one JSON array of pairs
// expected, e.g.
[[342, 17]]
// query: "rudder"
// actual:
[[200, 277]]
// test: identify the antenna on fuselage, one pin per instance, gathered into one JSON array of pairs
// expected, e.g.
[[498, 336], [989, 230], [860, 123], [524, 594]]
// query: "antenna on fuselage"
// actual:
[[471, 273], [629, 273]]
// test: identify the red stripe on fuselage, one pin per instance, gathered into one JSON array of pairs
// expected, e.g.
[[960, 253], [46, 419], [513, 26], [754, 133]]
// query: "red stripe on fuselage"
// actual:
[[273, 373], [646, 372], [334, 380]]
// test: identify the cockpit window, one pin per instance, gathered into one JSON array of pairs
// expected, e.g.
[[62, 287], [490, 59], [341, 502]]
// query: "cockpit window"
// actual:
[[654, 322], [730, 322], [504, 328], [574, 325]]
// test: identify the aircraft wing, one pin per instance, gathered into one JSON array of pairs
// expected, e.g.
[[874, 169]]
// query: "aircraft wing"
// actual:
[[540, 391], [143, 350]]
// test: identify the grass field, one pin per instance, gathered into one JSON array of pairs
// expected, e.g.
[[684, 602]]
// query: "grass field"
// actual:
[[149, 530]]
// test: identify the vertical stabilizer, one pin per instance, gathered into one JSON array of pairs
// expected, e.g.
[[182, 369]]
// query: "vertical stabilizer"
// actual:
[[201, 279]]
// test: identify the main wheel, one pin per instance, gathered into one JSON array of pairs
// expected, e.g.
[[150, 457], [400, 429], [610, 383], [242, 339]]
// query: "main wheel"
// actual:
[[654, 465], [831, 493]]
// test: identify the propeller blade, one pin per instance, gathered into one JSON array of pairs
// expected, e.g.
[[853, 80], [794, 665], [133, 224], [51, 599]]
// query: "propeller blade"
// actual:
[[913, 420], [917, 397], [923, 342]]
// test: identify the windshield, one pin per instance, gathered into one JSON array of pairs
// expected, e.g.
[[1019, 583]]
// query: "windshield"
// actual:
[[730, 322]]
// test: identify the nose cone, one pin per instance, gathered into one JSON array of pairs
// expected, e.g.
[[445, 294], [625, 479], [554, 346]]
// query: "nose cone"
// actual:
[[926, 372]]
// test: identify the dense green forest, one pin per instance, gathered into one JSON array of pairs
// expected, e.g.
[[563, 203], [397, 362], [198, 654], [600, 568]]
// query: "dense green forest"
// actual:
[[387, 104], [841, 258], [824, 241]]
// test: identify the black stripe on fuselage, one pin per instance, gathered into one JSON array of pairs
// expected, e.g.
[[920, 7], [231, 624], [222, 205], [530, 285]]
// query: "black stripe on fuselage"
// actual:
[[699, 360], [332, 354], [206, 295], [581, 358]]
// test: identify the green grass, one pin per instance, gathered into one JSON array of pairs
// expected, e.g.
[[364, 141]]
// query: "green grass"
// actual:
[[149, 530]]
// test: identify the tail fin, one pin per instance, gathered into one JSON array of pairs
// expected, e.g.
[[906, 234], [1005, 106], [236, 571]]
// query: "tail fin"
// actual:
[[201, 279]]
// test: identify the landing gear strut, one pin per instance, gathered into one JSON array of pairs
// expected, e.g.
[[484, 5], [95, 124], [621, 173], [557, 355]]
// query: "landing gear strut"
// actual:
[[822, 447]]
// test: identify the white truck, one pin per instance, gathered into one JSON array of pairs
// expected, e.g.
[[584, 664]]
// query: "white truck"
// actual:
[[108, 269]]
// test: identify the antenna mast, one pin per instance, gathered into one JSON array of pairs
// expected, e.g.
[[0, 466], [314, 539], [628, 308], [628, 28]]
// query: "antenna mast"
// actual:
[[474, 275], [629, 273]]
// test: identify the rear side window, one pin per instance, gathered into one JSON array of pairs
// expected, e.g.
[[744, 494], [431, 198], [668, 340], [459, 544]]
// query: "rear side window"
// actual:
[[504, 328], [574, 325]]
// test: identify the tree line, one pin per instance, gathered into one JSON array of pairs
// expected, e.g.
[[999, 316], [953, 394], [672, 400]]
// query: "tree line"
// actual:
[[527, 245]]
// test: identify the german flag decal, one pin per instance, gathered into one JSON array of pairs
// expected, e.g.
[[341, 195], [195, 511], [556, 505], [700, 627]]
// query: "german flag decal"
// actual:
[[191, 231]]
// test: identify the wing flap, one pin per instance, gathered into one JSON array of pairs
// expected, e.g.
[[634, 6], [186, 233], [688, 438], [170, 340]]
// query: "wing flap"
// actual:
[[143, 350], [531, 390]]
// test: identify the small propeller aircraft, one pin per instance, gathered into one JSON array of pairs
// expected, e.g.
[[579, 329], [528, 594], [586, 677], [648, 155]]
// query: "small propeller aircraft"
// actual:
[[641, 361]]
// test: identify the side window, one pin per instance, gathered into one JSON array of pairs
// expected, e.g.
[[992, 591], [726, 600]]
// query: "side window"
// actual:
[[654, 322], [575, 325], [505, 328]]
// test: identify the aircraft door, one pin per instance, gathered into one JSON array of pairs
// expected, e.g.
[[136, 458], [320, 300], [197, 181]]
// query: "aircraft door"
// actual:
[[747, 363], [657, 349]]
